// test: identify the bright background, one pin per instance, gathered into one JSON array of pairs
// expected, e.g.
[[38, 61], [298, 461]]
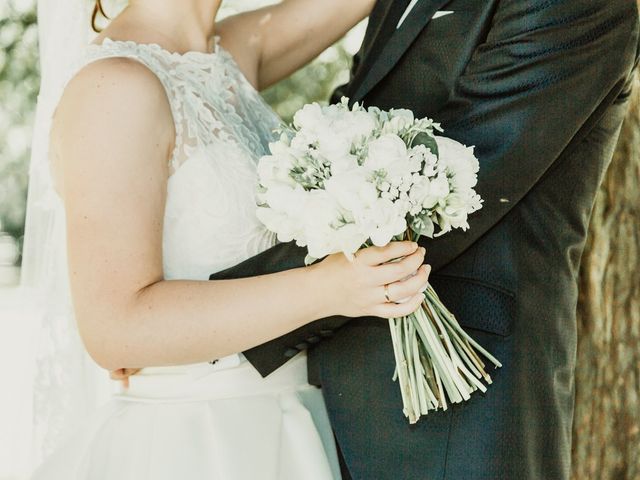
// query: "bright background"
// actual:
[[19, 84]]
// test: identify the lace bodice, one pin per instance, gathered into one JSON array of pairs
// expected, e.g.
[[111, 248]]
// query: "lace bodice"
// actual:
[[222, 128]]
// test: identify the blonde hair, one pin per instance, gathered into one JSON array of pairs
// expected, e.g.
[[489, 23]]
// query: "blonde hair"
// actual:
[[98, 9]]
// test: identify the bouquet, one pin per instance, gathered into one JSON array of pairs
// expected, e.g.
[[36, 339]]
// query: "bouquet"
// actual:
[[339, 179]]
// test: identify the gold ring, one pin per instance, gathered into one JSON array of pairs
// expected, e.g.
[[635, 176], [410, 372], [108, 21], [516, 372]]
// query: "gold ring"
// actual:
[[386, 293]]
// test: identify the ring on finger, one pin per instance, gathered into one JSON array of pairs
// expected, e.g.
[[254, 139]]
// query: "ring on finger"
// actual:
[[386, 294]]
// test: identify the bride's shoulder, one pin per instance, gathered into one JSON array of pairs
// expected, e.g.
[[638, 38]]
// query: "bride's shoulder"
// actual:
[[115, 79], [113, 102]]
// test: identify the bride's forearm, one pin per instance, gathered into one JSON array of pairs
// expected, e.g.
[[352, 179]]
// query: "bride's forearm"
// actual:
[[182, 322]]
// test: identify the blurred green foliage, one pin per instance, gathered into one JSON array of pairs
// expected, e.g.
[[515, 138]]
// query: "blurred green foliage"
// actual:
[[314, 83], [19, 84]]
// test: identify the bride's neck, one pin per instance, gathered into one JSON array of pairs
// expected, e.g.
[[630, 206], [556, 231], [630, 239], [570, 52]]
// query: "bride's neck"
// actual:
[[183, 25]]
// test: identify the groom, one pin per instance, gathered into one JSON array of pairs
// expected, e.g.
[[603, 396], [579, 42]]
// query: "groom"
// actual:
[[540, 88]]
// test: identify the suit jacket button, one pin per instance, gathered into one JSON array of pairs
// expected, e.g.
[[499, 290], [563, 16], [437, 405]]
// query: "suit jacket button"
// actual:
[[326, 333], [291, 352], [302, 346], [312, 340]]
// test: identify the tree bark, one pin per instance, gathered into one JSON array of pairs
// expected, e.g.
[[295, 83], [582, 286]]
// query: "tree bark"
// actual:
[[606, 431]]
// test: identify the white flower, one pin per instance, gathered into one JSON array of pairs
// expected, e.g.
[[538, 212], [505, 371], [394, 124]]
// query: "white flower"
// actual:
[[354, 127], [391, 164], [352, 190], [322, 219], [399, 122], [383, 221], [453, 214], [386, 151], [459, 162], [427, 193], [282, 209], [276, 168], [425, 158], [310, 118]]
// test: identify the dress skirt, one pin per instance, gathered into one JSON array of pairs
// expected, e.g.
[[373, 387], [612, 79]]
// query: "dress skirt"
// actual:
[[204, 422]]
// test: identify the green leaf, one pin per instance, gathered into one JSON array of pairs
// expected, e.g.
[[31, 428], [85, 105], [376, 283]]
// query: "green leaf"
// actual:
[[427, 140], [424, 227]]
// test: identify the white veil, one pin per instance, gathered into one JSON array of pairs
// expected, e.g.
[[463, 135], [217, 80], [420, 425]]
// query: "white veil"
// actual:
[[68, 385]]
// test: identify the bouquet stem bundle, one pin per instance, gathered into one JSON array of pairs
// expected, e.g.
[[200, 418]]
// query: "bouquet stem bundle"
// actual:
[[435, 359]]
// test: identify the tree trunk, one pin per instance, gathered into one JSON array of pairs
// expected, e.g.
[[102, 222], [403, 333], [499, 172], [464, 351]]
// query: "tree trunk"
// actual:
[[606, 431]]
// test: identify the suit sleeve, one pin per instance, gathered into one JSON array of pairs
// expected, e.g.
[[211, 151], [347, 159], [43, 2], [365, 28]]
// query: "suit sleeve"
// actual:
[[543, 77], [268, 357]]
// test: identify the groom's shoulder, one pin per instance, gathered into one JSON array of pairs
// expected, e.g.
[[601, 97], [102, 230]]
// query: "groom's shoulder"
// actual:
[[601, 10], [601, 25]]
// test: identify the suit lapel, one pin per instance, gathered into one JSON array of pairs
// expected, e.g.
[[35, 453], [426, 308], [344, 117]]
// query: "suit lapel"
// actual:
[[375, 68], [379, 34]]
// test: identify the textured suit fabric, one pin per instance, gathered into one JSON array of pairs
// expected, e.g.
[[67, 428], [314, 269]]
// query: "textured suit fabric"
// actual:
[[540, 88]]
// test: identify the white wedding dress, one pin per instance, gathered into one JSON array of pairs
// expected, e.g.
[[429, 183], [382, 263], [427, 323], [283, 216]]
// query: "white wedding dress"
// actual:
[[219, 421]]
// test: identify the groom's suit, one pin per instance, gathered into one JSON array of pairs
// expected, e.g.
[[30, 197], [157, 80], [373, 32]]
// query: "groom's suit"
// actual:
[[539, 87]]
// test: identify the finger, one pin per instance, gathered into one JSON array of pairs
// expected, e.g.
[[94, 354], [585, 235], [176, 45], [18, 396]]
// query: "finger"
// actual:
[[117, 374], [398, 310], [411, 286], [377, 255], [398, 271]]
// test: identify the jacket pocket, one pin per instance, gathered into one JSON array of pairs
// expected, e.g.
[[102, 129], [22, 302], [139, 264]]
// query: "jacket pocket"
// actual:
[[476, 304]]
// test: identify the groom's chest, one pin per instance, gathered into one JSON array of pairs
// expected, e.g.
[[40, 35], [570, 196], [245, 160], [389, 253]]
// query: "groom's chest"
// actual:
[[423, 57]]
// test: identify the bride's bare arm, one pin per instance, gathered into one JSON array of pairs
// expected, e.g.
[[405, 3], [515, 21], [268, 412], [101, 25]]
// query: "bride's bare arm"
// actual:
[[111, 142], [275, 41]]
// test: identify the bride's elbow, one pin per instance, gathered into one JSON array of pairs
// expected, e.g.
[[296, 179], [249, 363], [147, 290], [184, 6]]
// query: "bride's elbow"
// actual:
[[104, 342]]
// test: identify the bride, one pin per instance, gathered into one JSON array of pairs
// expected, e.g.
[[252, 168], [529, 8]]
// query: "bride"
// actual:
[[153, 152]]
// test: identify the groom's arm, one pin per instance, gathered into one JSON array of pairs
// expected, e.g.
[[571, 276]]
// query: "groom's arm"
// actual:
[[532, 91], [267, 357]]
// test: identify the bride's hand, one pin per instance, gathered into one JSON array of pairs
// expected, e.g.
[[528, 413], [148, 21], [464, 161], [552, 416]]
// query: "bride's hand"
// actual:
[[372, 283], [123, 375]]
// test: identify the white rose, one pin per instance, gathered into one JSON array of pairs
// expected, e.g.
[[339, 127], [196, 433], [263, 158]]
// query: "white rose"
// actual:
[[389, 159], [352, 190], [286, 227], [383, 221], [349, 238], [354, 127], [399, 121], [320, 220], [385, 151], [459, 161], [453, 214], [336, 150], [428, 193], [310, 117], [275, 169]]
